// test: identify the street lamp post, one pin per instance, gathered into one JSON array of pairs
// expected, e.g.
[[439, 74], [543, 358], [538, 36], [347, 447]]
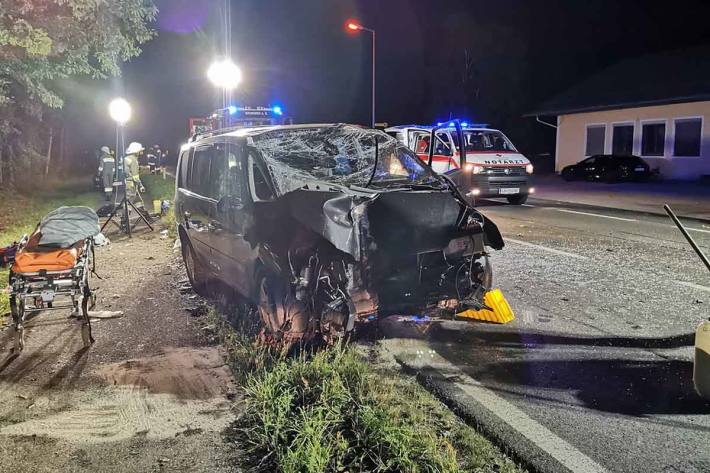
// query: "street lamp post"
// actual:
[[354, 26]]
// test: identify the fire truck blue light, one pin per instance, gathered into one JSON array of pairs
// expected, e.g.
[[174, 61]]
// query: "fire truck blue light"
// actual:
[[278, 110]]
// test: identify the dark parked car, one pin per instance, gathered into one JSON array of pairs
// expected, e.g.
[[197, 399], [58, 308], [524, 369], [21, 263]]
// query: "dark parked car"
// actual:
[[609, 168], [322, 227]]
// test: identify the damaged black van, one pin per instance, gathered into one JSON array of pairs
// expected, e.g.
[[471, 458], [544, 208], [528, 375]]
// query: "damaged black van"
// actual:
[[323, 227]]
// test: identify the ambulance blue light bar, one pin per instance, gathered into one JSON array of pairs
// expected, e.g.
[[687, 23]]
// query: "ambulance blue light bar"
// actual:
[[463, 125]]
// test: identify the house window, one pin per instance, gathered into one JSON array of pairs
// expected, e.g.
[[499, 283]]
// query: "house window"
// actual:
[[653, 139], [687, 137], [622, 141], [595, 139]]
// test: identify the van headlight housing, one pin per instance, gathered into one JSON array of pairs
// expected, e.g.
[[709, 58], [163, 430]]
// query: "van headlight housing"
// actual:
[[529, 169], [473, 168]]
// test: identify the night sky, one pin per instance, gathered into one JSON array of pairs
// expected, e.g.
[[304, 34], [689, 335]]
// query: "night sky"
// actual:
[[297, 53]]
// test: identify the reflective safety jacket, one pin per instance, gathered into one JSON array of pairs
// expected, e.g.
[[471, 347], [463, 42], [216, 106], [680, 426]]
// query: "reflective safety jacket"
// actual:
[[131, 168]]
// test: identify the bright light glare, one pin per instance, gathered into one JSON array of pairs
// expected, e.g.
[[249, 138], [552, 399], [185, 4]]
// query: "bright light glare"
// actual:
[[531, 190], [120, 110], [475, 192], [232, 109], [353, 26], [224, 74], [464, 124], [529, 168], [278, 110]]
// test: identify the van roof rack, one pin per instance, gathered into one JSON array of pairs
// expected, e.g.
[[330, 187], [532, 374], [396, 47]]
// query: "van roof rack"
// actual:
[[218, 131]]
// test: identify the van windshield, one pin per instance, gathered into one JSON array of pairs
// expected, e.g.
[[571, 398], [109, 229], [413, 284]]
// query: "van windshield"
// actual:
[[486, 140], [342, 154]]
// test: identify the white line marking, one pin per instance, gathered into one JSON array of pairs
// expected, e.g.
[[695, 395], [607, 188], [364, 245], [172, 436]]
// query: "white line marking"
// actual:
[[595, 215], [544, 248], [527, 205], [697, 230], [692, 285], [544, 438], [539, 435]]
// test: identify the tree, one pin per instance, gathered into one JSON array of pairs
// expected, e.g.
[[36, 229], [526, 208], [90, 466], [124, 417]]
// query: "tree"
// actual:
[[43, 41]]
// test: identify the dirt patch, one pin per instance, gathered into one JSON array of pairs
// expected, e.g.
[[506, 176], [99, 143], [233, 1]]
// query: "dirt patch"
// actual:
[[183, 372], [150, 395]]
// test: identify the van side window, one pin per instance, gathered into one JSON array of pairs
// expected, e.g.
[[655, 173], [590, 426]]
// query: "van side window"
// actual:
[[183, 170], [421, 143], [200, 173], [443, 144], [226, 175], [260, 189]]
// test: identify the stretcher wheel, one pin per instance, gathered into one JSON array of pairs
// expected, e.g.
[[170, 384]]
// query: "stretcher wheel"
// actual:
[[14, 310], [19, 340], [86, 336]]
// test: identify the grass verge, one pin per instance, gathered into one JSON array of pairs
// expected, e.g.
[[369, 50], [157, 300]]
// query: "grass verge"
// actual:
[[334, 410], [21, 212], [159, 188]]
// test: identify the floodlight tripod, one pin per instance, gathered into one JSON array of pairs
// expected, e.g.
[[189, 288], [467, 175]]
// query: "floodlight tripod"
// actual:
[[119, 182]]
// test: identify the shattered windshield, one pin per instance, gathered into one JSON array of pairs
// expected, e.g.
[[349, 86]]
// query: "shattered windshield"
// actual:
[[343, 155]]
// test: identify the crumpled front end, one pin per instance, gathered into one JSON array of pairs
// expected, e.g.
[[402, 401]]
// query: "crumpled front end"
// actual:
[[362, 256]]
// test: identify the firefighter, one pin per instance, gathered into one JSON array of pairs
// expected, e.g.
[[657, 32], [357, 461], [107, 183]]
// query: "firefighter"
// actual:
[[152, 158], [131, 168], [107, 166]]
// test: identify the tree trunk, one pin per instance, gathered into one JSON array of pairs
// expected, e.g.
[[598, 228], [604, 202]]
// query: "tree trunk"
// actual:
[[62, 146], [49, 151]]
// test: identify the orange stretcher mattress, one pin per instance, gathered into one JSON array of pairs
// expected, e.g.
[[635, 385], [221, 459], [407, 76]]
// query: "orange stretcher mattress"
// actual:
[[31, 262]]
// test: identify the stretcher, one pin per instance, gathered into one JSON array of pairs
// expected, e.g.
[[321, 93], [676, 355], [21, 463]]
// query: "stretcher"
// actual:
[[51, 269]]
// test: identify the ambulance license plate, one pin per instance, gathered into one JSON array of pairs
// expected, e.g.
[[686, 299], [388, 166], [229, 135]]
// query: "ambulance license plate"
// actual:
[[47, 295], [509, 190]]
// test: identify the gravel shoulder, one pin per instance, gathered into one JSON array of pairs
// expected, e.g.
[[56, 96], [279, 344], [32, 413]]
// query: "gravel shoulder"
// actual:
[[152, 394]]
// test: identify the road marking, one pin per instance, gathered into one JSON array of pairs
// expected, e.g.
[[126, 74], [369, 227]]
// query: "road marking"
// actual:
[[595, 215], [696, 229], [692, 285], [539, 435], [527, 205], [544, 248]]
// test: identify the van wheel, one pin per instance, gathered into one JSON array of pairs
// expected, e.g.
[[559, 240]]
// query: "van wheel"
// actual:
[[193, 268], [517, 199], [286, 320]]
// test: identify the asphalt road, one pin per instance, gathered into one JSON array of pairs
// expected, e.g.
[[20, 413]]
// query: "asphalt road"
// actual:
[[600, 354]]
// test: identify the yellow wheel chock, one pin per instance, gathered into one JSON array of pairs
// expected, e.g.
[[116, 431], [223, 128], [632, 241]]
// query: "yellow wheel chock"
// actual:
[[501, 313]]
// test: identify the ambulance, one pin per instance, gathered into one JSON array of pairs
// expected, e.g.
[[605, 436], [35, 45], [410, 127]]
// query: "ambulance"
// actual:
[[493, 167]]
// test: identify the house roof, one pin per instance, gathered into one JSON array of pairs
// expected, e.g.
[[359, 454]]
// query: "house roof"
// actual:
[[658, 79]]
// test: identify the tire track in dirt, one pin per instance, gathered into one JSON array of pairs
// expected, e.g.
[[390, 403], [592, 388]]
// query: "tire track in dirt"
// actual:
[[159, 396]]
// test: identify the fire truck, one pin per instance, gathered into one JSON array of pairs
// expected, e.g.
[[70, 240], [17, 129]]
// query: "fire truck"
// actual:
[[237, 116]]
